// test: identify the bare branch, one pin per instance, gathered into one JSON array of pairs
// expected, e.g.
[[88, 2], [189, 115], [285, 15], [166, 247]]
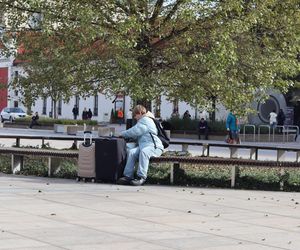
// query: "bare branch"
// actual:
[[174, 33], [156, 11], [173, 11]]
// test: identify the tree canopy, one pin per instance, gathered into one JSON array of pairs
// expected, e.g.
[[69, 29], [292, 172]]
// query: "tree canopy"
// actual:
[[233, 50]]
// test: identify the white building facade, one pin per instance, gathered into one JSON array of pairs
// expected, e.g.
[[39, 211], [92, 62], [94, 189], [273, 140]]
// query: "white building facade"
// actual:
[[100, 105]]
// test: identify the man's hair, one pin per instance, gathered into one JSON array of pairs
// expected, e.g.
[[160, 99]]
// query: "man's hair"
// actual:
[[139, 109]]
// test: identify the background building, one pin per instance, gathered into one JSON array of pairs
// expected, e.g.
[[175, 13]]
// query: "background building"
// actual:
[[102, 106]]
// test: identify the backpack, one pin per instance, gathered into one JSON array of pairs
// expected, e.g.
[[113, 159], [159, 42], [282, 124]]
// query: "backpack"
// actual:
[[161, 134]]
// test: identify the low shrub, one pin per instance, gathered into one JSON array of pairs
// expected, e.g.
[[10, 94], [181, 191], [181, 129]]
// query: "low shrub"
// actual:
[[67, 169], [192, 125], [208, 176], [34, 166], [5, 164], [46, 121]]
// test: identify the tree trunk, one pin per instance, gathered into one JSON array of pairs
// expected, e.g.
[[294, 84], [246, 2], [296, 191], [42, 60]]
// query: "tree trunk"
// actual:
[[54, 109], [213, 113]]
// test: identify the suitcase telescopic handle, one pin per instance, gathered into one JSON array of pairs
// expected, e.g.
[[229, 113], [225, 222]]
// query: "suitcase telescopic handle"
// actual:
[[85, 133]]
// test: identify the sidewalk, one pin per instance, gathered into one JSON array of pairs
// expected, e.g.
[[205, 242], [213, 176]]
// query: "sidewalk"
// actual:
[[43, 213]]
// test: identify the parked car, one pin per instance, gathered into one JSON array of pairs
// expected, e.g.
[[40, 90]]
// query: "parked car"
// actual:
[[10, 114]]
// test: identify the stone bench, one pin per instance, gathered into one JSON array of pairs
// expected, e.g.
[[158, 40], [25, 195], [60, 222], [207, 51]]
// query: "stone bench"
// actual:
[[54, 157]]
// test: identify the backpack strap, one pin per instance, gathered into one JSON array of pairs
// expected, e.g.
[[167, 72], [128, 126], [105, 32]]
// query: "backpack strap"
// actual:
[[153, 140], [151, 134]]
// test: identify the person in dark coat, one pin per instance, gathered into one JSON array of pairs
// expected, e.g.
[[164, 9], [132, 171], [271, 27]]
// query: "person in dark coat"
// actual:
[[129, 119], [186, 115], [203, 129], [89, 114], [75, 112], [84, 114], [34, 120], [280, 119]]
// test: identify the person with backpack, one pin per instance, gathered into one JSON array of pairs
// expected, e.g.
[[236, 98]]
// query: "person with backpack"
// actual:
[[145, 133], [233, 128]]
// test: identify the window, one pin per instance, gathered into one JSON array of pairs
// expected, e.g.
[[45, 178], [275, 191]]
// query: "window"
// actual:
[[16, 110], [44, 112], [95, 113], [59, 109]]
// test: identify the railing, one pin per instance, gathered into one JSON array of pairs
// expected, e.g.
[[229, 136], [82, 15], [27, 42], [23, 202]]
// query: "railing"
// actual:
[[264, 126], [285, 130], [291, 128], [244, 130], [282, 129]]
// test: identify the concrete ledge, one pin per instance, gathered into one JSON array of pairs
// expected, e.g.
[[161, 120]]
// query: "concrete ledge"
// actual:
[[73, 129], [106, 131]]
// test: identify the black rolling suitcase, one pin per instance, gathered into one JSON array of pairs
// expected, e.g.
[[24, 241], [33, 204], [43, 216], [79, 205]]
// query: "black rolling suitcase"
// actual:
[[110, 158]]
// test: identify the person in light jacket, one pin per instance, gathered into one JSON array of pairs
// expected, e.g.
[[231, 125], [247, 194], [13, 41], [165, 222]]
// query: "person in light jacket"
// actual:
[[149, 145], [273, 119]]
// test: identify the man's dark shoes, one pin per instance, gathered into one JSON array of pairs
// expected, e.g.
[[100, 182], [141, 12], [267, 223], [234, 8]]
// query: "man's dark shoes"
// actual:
[[124, 181], [138, 181]]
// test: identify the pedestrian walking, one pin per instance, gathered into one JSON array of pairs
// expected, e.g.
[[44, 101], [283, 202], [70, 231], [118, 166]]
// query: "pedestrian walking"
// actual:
[[89, 114], [233, 129], [273, 119], [280, 119], [34, 120], [75, 112], [84, 114]]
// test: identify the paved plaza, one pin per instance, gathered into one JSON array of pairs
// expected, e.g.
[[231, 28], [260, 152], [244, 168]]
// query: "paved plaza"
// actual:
[[46, 213]]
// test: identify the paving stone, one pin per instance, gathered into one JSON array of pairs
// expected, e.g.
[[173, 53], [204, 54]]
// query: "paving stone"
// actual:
[[71, 215]]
